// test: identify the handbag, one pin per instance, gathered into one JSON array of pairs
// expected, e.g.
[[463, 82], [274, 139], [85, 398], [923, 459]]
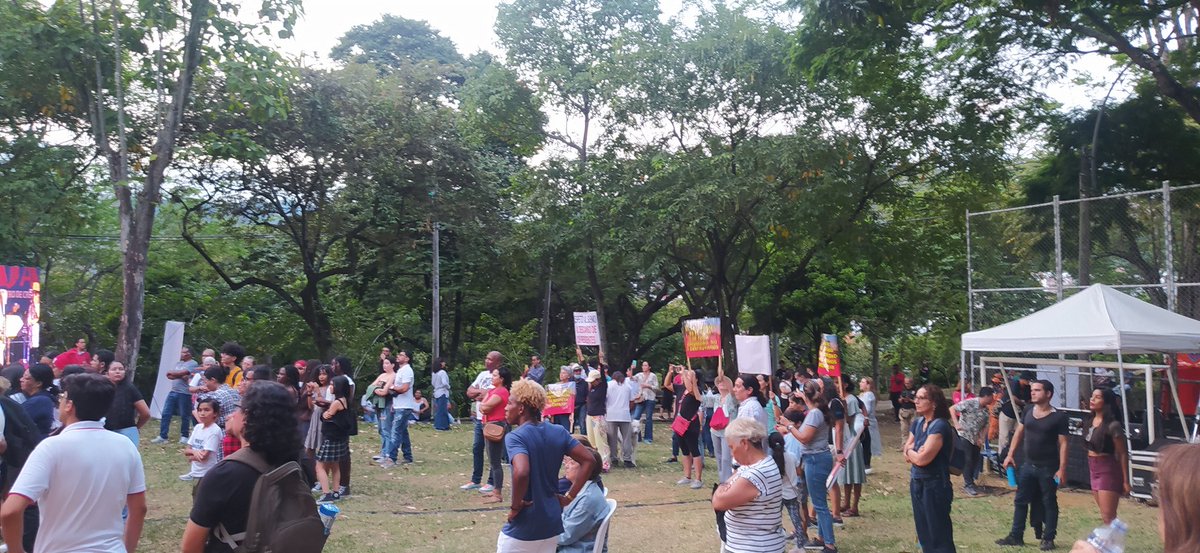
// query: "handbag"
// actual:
[[680, 425], [493, 432], [719, 419]]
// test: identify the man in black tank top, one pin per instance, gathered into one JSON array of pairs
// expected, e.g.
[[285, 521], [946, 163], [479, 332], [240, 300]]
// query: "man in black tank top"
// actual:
[[1044, 434]]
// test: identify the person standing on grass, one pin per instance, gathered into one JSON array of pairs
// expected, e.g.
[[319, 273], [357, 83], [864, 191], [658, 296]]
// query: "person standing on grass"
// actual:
[[928, 450], [179, 399], [581, 393], [971, 418], [647, 390], [204, 446], [689, 441], [335, 438], [231, 358], [895, 386], [492, 407], [727, 406], [1043, 432], [1108, 458], [476, 392], [813, 435], [536, 450], [441, 394], [404, 405], [80, 502], [380, 391], [618, 403], [597, 426], [852, 478], [1015, 399], [872, 438], [908, 407], [265, 424], [535, 370]]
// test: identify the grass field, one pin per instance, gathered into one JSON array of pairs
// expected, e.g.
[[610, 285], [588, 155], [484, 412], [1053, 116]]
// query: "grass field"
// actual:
[[420, 508]]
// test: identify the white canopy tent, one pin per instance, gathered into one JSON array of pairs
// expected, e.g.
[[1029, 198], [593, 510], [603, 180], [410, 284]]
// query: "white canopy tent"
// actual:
[[1099, 319]]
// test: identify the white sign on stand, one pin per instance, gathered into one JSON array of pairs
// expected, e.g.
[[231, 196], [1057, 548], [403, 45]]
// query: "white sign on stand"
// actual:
[[753, 354], [168, 358]]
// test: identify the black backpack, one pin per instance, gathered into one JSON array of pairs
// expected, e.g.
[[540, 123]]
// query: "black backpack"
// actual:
[[283, 514]]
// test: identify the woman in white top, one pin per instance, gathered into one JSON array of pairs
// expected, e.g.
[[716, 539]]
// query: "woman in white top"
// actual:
[[728, 407], [752, 498], [866, 395], [750, 401]]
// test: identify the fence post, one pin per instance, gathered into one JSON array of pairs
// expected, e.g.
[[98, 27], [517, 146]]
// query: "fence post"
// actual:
[[970, 289], [1169, 242], [1058, 264]]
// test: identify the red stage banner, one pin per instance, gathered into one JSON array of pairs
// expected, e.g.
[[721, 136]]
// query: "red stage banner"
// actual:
[[702, 337]]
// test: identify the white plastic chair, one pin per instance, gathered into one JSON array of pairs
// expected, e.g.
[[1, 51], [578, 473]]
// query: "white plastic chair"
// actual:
[[602, 532]]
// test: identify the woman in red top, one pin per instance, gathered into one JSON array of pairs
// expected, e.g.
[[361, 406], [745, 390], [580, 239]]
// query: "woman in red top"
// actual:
[[493, 412], [895, 386]]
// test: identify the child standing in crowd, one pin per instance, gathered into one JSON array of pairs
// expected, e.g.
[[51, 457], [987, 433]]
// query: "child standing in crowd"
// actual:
[[204, 445], [335, 438]]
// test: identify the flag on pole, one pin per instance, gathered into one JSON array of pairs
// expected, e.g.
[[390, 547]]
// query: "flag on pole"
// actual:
[[829, 363]]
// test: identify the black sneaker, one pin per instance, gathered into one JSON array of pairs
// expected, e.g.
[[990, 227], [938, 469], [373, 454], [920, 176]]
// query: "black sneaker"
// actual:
[[1037, 533], [630, 465], [328, 498], [1047, 545], [673, 460], [1010, 540], [343, 491]]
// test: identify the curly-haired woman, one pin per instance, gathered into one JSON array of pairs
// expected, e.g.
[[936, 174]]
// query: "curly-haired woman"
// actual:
[[264, 421]]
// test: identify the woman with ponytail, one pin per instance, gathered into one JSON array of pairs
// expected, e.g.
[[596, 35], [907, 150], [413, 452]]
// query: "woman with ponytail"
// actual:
[[816, 458]]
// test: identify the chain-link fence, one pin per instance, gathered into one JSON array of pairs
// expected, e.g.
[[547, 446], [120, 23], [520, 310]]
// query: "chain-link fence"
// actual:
[[1145, 243]]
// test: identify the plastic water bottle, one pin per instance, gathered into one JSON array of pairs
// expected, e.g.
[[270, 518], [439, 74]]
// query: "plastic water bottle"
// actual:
[[1109, 538], [1012, 477]]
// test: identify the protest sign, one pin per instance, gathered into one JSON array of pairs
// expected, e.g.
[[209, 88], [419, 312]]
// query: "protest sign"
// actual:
[[587, 328], [828, 361], [560, 399], [702, 337], [753, 354]]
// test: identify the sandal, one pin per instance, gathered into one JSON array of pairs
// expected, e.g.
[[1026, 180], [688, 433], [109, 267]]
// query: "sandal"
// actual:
[[492, 498], [850, 513]]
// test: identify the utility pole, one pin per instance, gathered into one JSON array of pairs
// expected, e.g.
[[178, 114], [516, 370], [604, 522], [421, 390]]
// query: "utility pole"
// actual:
[[436, 330]]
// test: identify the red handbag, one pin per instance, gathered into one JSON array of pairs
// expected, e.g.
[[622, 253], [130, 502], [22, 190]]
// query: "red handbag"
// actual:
[[680, 426], [719, 419]]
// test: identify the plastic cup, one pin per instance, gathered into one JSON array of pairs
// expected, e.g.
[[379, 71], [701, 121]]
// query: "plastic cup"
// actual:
[[329, 514]]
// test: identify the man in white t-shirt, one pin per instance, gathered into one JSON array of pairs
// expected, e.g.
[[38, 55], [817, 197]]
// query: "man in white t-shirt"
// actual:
[[403, 405], [82, 510], [478, 389], [617, 406]]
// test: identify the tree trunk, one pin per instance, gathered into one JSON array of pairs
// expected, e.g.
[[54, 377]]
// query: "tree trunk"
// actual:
[[137, 221], [456, 333], [317, 319], [875, 359], [598, 295]]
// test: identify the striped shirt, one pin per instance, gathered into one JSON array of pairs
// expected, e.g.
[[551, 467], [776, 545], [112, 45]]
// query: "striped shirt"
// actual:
[[756, 526]]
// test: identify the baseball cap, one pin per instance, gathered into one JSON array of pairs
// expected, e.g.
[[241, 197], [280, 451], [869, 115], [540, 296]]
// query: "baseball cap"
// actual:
[[593, 375]]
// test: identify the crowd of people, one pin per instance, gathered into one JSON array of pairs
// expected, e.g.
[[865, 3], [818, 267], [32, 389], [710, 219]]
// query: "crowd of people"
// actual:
[[776, 441]]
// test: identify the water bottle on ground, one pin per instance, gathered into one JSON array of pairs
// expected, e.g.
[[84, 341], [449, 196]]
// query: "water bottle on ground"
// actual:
[[1109, 538]]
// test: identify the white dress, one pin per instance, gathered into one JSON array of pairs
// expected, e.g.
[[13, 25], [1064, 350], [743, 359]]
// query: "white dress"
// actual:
[[869, 402]]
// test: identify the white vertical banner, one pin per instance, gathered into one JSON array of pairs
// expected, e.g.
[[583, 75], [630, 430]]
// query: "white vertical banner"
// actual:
[[587, 328], [167, 359], [753, 354]]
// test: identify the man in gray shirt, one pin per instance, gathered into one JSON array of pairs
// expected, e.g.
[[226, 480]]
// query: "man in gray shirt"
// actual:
[[179, 400]]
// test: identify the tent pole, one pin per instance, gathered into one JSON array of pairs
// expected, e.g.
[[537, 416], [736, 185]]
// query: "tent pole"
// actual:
[[1124, 409], [1150, 406], [1175, 397]]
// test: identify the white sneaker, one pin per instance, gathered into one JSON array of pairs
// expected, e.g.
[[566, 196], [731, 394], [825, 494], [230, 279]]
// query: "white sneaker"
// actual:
[[869, 471], [696, 484], [183, 440], [487, 488], [187, 477], [684, 481], [158, 440]]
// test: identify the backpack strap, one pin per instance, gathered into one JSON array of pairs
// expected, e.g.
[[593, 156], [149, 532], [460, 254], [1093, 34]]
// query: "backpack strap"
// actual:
[[254, 460]]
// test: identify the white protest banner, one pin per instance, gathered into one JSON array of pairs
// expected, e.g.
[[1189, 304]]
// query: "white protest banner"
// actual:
[[167, 359], [753, 354], [587, 328]]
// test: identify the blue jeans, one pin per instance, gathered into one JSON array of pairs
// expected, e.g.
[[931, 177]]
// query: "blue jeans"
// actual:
[[581, 418], [563, 421], [1036, 485], [177, 404], [477, 455], [645, 407], [131, 433], [816, 469], [385, 430], [931, 498], [400, 440], [706, 442], [441, 413]]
